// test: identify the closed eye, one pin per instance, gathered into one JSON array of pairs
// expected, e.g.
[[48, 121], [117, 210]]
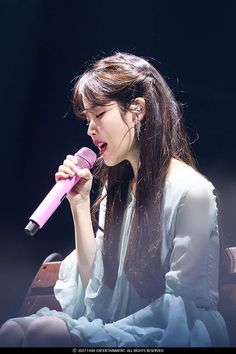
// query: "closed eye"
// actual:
[[100, 115]]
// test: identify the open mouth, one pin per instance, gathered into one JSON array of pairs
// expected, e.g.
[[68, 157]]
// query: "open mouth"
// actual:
[[102, 147]]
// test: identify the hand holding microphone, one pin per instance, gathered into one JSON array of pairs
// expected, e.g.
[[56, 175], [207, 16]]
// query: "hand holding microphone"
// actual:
[[68, 176], [81, 191]]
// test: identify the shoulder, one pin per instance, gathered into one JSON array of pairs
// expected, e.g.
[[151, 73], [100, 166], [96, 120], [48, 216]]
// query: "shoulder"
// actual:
[[186, 177], [183, 182]]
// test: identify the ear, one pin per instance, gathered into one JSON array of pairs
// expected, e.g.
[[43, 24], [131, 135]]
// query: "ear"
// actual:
[[138, 107]]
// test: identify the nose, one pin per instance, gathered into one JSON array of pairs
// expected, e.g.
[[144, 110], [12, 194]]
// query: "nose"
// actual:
[[91, 128]]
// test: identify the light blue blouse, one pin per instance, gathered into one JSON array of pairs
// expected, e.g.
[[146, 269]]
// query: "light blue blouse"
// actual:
[[186, 314]]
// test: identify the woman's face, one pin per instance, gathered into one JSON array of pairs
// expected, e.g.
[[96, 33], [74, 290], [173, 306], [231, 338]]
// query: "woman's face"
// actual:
[[113, 135]]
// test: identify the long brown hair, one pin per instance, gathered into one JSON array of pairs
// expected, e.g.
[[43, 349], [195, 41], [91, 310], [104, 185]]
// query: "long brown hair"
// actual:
[[123, 77]]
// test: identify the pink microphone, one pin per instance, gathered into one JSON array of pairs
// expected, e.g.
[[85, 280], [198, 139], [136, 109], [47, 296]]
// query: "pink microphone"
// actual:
[[51, 202]]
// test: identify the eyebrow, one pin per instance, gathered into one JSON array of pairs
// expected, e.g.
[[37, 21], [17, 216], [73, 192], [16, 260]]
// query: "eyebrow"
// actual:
[[90, 108]]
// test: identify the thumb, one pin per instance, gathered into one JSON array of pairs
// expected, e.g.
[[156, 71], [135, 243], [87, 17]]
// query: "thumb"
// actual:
[[85, 174]]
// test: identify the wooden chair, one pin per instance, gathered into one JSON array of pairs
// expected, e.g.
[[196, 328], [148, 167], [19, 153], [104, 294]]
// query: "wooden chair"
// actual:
[[40, 292]]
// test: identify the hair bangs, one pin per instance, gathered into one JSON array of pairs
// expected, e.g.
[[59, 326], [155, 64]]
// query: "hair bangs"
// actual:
[[89, 88]]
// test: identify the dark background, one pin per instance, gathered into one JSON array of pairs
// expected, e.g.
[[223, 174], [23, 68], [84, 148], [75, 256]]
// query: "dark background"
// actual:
[[44, 45]]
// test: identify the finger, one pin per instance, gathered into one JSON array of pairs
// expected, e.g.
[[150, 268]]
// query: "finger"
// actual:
[[61, 175], [85, 173], [70, 164], [72, 158], [66, 170]]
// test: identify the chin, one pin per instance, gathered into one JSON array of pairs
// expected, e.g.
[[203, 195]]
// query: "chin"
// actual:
[[111, 162]]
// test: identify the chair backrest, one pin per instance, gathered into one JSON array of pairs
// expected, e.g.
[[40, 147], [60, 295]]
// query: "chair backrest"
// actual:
[[227, 295], [40, 293]]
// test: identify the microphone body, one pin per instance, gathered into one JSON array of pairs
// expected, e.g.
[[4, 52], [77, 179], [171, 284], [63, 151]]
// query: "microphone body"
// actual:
[[53, 199]]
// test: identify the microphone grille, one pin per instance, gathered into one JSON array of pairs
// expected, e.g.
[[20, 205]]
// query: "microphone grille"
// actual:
[[89, 157]]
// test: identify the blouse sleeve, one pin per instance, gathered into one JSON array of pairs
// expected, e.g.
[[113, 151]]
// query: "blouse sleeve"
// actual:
[[68, 289], [195, 252]]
